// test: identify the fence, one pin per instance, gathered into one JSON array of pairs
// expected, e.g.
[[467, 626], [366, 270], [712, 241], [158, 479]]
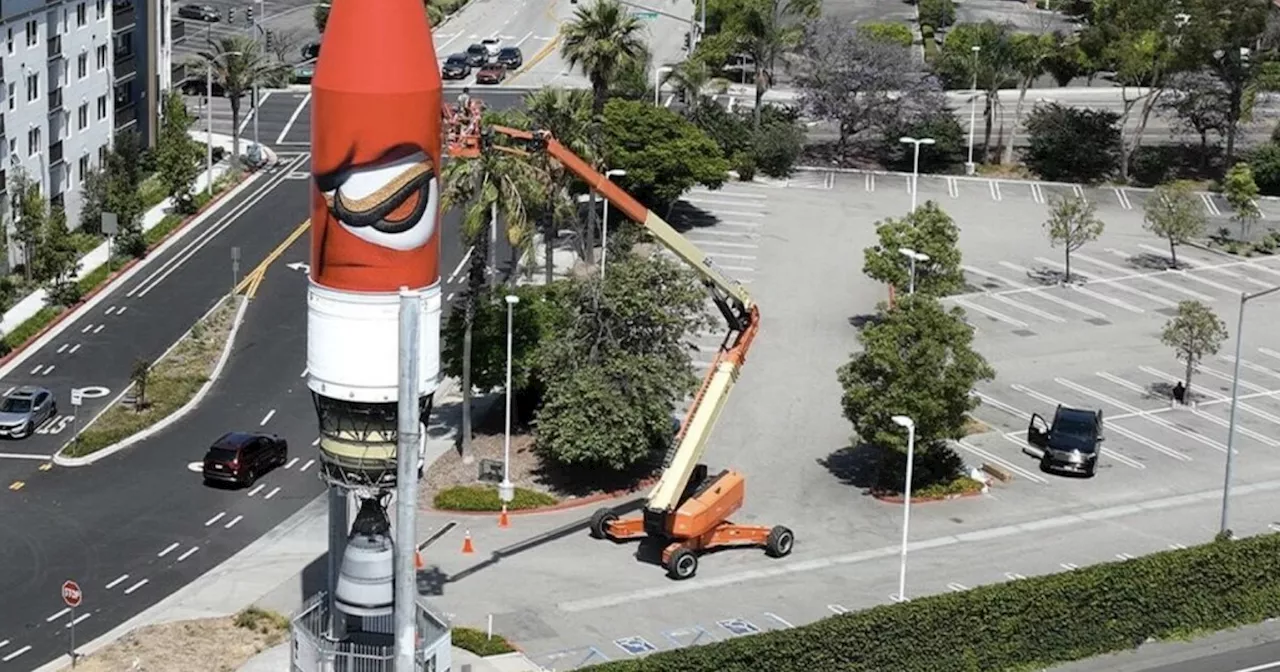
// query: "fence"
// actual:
[[367, 647]]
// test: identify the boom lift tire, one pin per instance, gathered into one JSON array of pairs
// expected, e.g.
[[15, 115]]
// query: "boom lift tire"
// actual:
[[683, 564], [600, 521], [780, 542]]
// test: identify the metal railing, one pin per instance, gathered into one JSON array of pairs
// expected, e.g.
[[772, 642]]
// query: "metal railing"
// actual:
[[366, 648]]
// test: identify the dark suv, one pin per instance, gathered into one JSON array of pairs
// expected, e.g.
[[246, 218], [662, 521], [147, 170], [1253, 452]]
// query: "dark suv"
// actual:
[[477, 55], [456, 67], [1071, 443], [510, 57], [240, 458]]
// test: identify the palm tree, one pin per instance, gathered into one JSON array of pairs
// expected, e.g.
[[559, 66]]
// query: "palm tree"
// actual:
[[690, 78], [598, 40], [494, 184], [239, 64], [566, 113], [766, 29]]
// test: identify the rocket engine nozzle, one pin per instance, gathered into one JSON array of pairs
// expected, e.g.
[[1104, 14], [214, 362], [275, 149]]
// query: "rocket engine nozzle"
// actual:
[[358, 441]]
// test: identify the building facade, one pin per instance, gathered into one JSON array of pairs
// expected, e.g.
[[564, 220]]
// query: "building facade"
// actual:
[[143, 35], [58, 115]]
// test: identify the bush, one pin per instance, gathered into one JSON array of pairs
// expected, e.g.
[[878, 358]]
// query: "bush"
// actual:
[[777, 147], [892, 32], [485, 498], [1072, 145], [745, 164], [261, 620], [948, 150], [479, 643], [1265, 162], [938, 13], [1111, 607]]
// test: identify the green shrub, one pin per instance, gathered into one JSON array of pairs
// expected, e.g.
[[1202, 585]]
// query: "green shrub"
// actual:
[[1008, 626], [485, 498], [23, 332], [164, 228], [262, 620], [479, 643], [960, 486], [745, 164], [152, 192], [892, 32]]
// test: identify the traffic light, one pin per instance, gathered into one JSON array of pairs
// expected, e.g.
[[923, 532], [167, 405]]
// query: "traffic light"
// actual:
[[248, 15], [686, 41], [269, 38], [231, 15]]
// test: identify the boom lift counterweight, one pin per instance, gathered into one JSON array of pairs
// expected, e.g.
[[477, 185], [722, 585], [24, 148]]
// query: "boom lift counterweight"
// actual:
[[686, 509]]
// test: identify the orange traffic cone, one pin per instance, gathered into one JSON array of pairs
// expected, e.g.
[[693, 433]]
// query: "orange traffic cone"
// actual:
[[417, 561], [502, 518], [466, 544]]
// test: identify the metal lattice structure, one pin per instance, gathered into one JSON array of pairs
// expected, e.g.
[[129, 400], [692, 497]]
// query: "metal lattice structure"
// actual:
[[367, 644], [358, 442]]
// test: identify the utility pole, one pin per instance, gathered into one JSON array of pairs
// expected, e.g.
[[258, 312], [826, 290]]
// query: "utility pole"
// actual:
[[408, 436]]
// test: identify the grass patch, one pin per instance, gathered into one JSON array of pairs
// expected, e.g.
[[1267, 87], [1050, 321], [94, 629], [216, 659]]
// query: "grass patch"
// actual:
[[485, 498], [201, 644], [174, 381], [166, 226], [973, 426], [152, 191], [479, 643], [960, 486], [263, 621], [32, 326]]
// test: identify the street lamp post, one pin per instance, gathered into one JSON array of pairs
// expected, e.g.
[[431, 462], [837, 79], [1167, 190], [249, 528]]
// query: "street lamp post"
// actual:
[[971, 167], [904, 421], [914, 257], [506, 490], [915, 166], [657, 83], [257, 36], [604, 232], [1235, 398]]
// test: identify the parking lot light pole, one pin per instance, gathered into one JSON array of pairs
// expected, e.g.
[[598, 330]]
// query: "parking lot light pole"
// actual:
[[971, 167], [904, 421], [915, 166], [1235, 398], [506, 489], [914, 257]]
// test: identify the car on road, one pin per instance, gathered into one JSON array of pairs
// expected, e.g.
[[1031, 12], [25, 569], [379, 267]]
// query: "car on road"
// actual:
[[477, 55], [493, 73], [1071, 443], [25, 409], [240, 458], [207, 13], [456, 67], [303, 72], [510, 58], [493, 45], [311, 51]]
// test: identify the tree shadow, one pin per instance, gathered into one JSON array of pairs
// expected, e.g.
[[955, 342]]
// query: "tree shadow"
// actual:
[[1148, 261], [1046, 276], [866, 320], [445, 418], [684, 217], [1163, 391], [581, 481], [857, 465]]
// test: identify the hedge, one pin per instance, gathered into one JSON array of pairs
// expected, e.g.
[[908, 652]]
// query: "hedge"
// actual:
[[479, 643], [1026, 624], [485, 498]]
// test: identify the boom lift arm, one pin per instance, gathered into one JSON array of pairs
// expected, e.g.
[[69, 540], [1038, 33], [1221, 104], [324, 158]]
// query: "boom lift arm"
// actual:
[[685, 508]]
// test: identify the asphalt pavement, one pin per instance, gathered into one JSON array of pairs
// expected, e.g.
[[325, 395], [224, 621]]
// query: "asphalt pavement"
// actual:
[[290, 20]]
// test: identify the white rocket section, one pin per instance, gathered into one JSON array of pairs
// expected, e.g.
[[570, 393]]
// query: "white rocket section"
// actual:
[[352, 343]]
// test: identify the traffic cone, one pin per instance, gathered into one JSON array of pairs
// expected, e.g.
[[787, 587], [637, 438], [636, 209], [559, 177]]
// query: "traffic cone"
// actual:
[[502, 518], [417, 561], [466, 544]]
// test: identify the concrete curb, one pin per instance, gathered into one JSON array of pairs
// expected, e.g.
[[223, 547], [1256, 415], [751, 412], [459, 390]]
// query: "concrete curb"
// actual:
[[63, 461]]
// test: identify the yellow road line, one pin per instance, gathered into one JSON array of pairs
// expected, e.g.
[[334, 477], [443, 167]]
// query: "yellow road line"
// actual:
[[249, 284], [16, 485], [46, 466], [544, 51]]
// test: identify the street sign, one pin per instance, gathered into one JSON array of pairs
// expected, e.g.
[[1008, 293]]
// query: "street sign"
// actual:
[[110, 224], [71, 594], [77, 397]]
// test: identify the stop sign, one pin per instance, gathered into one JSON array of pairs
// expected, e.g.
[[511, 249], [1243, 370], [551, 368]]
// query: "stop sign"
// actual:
[[71, 594]]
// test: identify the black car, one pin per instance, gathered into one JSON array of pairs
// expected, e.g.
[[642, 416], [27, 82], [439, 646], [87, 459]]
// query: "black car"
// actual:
[[240, 458], [510, 58], [199, 13], [311, 51], [477, 55], [457, 66], [1071, 443]]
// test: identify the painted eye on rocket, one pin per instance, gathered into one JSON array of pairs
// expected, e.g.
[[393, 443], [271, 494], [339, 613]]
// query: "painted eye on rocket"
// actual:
[[392, 205]]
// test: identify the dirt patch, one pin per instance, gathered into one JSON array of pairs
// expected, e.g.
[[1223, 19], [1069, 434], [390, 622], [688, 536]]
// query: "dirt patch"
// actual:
[[973, 426], [206, 644]]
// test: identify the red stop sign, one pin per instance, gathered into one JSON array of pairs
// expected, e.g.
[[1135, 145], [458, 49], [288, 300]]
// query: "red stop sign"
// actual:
[[71, 594]]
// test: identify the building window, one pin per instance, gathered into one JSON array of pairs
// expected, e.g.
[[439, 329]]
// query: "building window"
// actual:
[[33, 141], [102, 108], [13, 95], [33, 33], [84, 167], [13, 146], [102, 9], [33, 87], [82, 66], [8, 45], [82, 15], [82, 116], [102, 57], [102, 155]]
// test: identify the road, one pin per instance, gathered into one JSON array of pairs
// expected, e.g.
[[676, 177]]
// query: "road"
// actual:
[[1254, 659], [289, 20]]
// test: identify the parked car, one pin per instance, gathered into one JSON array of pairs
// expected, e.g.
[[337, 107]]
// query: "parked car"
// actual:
[[206, 13], [477, 55], [456, 67], [510, 57], [310, 51], [493, 45], [1071, 443], [25, 409], [493, 73], [240, 458]]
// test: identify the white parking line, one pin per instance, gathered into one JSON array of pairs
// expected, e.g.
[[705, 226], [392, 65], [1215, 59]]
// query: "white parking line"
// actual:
[[271, 494], [5, 642], [292, 461], [991, 313], [1251, 366], [1125, 556], [870, 182], [215, 519], [745, 225], [1118, 285], [957, 587], [1001, 405], [1130, 434], [1227, 377], [305, 371], [293, 118], [60, 614], [130, 589], [267, 417], [1123, 197], [693, 198], [995, 190], [15, 654], [1266, 351], [117, 581], [1194, 411], [953, 187], [1275, 527], [729, 191], [233, 522], [307, 465], [1220, 397], [1026, 308], [1003, 463], [256, 489], [999, 278], [1209, 204], [1014, 576], [1206, 281], [1077, 190], [167, 550], [188, 553], [736, 257], [1146, 416], [837, 609], [1069, 566], [1037, 194], [785, 623], [1042, 292], [1149, 278], [716, 243]]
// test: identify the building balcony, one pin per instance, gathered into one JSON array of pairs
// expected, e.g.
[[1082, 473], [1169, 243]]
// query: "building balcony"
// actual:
[[126, 66], [126, 115], [177, 31], [55, 46], [55, 153], [123, 16], [55, 100]]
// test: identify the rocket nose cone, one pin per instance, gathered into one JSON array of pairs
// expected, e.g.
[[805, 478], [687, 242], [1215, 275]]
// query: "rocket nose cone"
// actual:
[[377, 46]]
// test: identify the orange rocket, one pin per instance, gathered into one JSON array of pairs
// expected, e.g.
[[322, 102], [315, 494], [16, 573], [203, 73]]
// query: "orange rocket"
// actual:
[[376, 149]]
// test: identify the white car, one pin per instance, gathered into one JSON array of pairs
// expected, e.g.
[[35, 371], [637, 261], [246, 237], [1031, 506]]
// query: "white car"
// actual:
[[493, 45]]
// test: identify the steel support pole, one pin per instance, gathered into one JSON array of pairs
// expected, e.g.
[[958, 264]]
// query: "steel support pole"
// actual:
[[915, 176], [1231, 422], [906, 513], [408, 430], [208, 118], [339, 528]]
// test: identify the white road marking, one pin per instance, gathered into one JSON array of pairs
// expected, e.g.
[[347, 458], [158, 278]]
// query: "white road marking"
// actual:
[[712, 202], [1149, 278], [1227, 377], [121, 311], [215, 519], [1014, 576], [1131, 409], [1177, 547], [130, 589], [256, 489], [1069, 566], [1251, 366], [1044, 398], [233, 522], [1037, 194], [1026, 308], [47, 370], [1206, 281], [1266, 351], [267, 417], [305, 372], [991, 313], [995, 190], [989, 457], [953, 187], [461, 264], [4, 643], [1116, 283], [1125, 556], [957, 587], [293, 118], [188, 553], [63, 347], [315, 441], [271, 494], [78, 619], [837, 609], [86, 329], [117, 581], [73, 349], [1205, 390], [167, 550], [307, 465], [60, 614], [785, 623], [36, 369], [9, 391], [99, 328], [292, 461], [17, 653]]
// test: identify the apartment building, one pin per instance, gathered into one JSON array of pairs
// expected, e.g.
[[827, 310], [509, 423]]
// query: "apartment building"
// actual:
[[143, 35], [55, 77]]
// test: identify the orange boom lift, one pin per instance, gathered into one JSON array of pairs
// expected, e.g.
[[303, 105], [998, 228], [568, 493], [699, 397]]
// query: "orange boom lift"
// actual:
[[686, 509]]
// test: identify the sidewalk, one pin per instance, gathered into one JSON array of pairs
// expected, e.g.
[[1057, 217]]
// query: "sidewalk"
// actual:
[[27, 308]]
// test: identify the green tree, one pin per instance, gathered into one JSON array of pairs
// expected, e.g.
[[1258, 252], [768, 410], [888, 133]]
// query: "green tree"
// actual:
[[320, 15], [57, 260], [1029, 54], [1241, 191], [1069, 144], [619, 363], [918, 361], [566, 113], [1193, 333], [599, 40], [533, 321], [765, 30], [1174, 212], [1265, 164], [239, 64], [93, 194], [1066, 61], [777, 146], [891, 32], [927, 230], [1072, 223], [936, 121], [664, 155], [122, 196], [937, 13], [177, 155], [30, 214], [690, 79], [140, 375], [993, 65]]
